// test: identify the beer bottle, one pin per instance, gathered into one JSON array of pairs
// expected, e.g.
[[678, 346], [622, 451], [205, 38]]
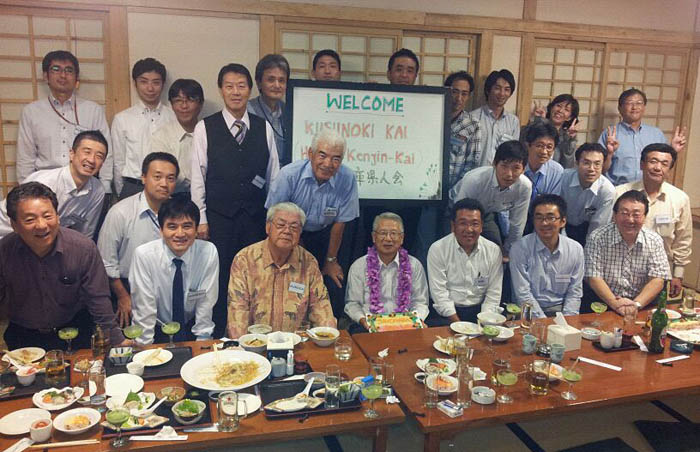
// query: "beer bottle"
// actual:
[[659, 321]]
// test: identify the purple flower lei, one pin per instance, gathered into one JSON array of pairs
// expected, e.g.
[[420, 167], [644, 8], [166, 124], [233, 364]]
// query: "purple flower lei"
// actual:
[[403, 292]]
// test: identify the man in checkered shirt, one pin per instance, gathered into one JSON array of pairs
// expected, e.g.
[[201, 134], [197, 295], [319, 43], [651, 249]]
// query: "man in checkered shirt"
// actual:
[[626, 265]]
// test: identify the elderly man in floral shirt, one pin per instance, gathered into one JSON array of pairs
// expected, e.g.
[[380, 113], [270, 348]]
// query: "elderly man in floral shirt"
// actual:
[[277, 282]]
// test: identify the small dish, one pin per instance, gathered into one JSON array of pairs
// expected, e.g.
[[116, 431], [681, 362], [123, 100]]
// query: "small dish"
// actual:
[[420, 377], [173, 394], [504, 335], [255, 342], [672, 315], [483, 395], [188, 418], [119, 356], [40, 430], [448, 366], [319, 377], [491, 318], [135, 368], [469, 328], [77, 421], [332, 334], [259, 328], [444, 384], [26, 375], [590, 333], [555, 372], [151, 358]]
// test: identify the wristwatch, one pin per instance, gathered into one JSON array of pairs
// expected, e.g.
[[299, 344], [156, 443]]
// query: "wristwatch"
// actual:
[[331, 259], [638, 304]]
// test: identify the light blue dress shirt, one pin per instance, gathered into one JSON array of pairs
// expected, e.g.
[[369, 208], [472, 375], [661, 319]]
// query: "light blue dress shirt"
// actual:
[[151, 280], [335, 201], [129, 224], [494, 131], [546, 180], [276, 119], [547, 279], [593, 204], [625, 161]]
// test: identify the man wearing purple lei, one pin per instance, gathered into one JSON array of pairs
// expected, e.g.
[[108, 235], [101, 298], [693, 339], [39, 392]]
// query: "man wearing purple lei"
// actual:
[[386, 279]]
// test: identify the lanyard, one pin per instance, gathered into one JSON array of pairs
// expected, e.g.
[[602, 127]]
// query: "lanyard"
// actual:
[[75, 111], [269, 120]]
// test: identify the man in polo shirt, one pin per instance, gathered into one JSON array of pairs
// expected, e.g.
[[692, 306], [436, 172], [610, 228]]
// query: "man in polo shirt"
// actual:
[[669, 209], [326, 190], [133, 128], [80, 193], [233, 165], [626, 265], [625, 140], [589, 196], [133, 221], [50, 276]]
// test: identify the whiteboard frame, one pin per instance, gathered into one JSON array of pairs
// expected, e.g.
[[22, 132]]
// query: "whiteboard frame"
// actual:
[[293, 84]]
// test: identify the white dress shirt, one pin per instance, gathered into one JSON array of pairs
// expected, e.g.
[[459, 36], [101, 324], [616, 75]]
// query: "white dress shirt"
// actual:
[[151, 280], [670, 217], [460, 279], [357, 297], [593, 204], [200, 160], [44, 138], [77, 209], [132, 130], [172, 138], [129, 224], [481, 184]]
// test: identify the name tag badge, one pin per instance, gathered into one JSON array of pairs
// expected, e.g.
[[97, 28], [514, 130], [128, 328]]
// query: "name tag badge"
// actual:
[[195, 296], [590, 210], [259, 182], [482, 281], [297, 287], [330, 212], [562, 278], [663, 219], [508, 205]]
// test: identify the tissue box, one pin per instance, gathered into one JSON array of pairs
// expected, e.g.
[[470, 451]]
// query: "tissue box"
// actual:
[[567, 335]]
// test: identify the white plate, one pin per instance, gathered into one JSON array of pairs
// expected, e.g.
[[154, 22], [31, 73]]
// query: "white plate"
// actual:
[[37, 399], [430, 380], [291, 405], [438, 345], [147, 399], [469, 328], [295, 337], [253, 403], [190, 371], [33, 354], [451, 365], [122, 384], [672, 315], [18, 422], [161, 358], [61, 419], [504, 335]]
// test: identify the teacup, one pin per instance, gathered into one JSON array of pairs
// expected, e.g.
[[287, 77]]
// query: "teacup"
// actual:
[[40, 430], [607, 340], [135, 368]]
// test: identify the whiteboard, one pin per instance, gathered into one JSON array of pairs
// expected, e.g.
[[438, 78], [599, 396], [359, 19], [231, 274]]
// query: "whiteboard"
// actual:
[[396, 135]]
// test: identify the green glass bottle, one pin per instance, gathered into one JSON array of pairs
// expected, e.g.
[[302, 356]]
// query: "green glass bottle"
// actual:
[[659, 321]]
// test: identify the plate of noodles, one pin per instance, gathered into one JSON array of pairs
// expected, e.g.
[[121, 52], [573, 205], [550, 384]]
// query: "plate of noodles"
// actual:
[[225, 370]]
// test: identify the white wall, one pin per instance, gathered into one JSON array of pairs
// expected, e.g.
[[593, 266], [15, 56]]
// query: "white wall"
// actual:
[[193, 47], [691, 181], [506, 55]]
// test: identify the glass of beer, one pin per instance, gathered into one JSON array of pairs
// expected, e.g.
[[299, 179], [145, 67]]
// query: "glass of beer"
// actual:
[[229, 407], [55, 368], [526, 318], [539, 377]]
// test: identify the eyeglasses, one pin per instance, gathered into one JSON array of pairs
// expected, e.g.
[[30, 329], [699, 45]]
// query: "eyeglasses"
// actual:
[[282, 225], [393, 235], [546, 218], [589, 164], [179, 101], [68, 70], [634, 215]]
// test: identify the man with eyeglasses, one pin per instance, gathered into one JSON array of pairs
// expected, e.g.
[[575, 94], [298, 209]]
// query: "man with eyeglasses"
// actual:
[[626, 265], [175, 137], [386, 279], [669, 209], [465, 270], [48, 126], [326, 190], [277, 282], [546, 267], [625, 140], [589, 196]]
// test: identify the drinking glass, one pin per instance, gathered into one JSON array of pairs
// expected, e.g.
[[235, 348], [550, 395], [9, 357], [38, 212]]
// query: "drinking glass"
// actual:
[[571, 376], [117, 416], [688, 301], [372, 390], [598, 307], [506, 379], [512, 313], [538, 328], [304, 325], [332, 386], [431, 393], [388, 377], [526, 318], [97, 377], [228, 407], [68, 334], [498, 363], [132, 332], [464, 388], [55, 368], [343, 349], [629, 319], [539, 377], [4, 365], [171, 329]]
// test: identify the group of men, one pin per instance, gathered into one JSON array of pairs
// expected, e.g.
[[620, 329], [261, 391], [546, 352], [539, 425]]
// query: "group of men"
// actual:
[[217, 229]]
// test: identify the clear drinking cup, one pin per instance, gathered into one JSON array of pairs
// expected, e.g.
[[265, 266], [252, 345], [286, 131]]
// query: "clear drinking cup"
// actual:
[[229, 406], [332, 381], [526, 318], [464, 388], [343, 349], [97, 376], [55, 368], [431, 393], [539, 377]]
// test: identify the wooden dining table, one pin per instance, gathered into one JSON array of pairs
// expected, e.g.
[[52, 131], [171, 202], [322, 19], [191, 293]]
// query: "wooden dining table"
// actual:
[[256, 428], [640, 379]]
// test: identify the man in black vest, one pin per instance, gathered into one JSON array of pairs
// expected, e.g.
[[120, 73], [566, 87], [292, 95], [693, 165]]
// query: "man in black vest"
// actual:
[[233, 165]]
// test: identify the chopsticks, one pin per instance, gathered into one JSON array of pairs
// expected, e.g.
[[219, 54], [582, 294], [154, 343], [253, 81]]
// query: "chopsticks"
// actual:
[[82, 442]]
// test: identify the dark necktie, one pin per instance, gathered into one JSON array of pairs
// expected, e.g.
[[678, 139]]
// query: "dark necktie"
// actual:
[[239, 130], [178, 294]]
